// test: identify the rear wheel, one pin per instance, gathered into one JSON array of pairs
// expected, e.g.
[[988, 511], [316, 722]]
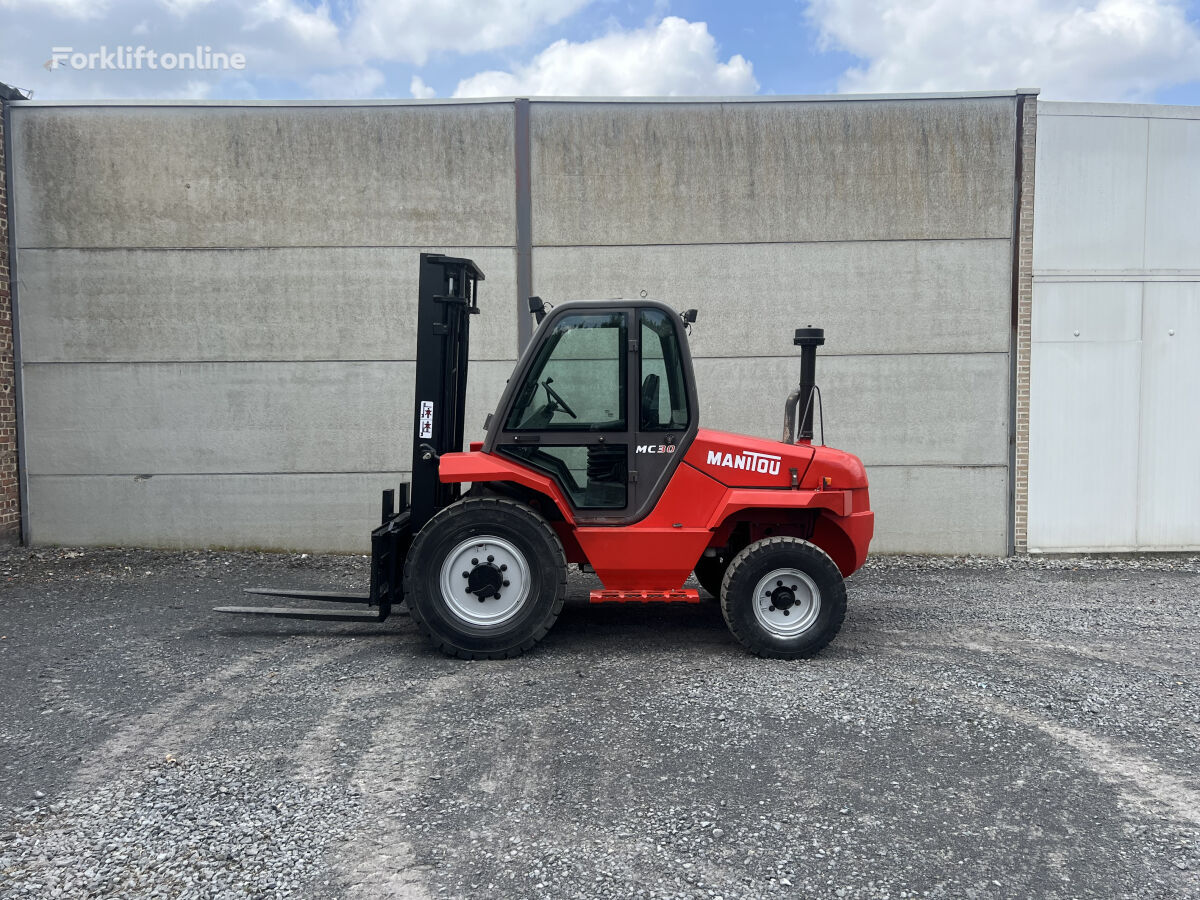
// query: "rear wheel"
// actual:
[[783, 597], [485, 578]]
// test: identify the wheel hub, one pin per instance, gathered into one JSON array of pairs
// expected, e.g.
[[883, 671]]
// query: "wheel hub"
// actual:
[[783, 597], [787, 602], [485, 580]]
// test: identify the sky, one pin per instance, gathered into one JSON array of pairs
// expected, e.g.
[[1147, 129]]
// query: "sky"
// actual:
[[1120, 50]]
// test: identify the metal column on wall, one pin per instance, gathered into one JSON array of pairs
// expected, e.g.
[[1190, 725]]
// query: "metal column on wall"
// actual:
[[524, 236]]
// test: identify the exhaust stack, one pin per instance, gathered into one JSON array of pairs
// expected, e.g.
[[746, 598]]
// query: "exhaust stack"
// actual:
[[808, 340]]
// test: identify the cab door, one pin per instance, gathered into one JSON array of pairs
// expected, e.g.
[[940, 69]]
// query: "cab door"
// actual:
[[569, 414], [664, 416]]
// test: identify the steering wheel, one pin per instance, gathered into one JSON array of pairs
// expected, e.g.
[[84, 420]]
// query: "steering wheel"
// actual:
[[553, 395]]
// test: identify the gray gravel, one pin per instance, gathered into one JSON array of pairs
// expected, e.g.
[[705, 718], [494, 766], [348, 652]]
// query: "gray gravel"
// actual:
[[982, 728]]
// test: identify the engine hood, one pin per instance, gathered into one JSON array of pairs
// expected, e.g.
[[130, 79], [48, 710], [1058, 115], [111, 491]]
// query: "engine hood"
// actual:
[[738, 460]]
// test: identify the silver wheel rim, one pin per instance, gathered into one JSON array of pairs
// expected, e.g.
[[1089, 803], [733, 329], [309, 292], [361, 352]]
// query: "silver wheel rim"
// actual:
[[786, 602], [486, 553]]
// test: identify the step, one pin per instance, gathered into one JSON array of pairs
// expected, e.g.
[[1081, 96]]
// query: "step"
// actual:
[[685, 595]]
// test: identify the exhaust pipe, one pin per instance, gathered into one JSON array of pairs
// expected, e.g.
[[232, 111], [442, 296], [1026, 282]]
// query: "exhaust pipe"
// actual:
[[808, 340]]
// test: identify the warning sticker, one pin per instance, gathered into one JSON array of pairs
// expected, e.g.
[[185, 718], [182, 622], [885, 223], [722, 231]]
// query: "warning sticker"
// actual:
[[426, 425]]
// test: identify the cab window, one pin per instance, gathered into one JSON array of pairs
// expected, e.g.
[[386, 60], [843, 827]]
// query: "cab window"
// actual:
[[577, 381], [664, 402]]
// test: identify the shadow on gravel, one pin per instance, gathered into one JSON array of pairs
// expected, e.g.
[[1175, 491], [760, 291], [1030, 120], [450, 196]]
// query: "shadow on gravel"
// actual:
[[595, 628]]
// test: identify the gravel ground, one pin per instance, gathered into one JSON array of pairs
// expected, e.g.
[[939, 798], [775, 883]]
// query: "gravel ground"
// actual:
[[981, 729]]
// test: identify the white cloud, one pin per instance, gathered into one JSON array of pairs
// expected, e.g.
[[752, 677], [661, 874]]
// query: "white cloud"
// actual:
[[332, 47], [419, 89], [1072, 49], [65, 9], [354, 84], [411, 30], [673, 58]]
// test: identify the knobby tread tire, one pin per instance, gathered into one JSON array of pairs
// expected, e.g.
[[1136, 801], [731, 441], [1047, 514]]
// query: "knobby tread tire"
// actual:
[[500, 517], [753, 563]]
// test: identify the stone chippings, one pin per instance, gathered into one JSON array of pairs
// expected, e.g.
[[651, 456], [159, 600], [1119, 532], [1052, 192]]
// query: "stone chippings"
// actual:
[[984, 728], [180, 829]]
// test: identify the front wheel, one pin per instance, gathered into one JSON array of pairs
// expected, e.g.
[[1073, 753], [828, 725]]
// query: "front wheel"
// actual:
[[783, 597], [485, 578]]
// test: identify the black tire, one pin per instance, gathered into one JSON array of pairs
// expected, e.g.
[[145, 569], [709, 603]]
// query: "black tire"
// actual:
[[508, 533], [710, 572], [819, 598]]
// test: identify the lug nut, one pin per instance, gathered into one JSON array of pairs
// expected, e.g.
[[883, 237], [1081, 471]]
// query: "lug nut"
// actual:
[[506, 584], [771, 609], [475, 562], [787, 612], [491, 559], [466, 574], [779, 584], [503, 567]]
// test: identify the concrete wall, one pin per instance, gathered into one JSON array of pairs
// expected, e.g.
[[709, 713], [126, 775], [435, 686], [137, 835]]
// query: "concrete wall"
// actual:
[[1115, 414], [217, 302], [888, 222], [217, 310]]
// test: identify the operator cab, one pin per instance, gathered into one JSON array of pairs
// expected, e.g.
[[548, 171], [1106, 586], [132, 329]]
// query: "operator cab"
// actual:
[[604, 402]]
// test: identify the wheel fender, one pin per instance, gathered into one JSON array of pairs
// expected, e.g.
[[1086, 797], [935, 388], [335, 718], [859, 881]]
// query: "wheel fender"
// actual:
[[830, 536]]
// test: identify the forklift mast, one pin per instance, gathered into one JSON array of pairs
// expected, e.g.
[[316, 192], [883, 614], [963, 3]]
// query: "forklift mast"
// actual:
[[446, 299], [447, 296]]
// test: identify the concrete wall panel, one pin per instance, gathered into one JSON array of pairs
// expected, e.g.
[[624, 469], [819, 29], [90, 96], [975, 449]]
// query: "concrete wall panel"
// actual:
[[870, 297], [279, 304], [224, 418], [940, 509], [1090, 205], [316, 513], [264, 176], [1173, 195], [645, 173], [888, 410]]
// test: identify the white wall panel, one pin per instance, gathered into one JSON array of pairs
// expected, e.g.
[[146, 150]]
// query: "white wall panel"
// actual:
[[1173, 195], [1114, 432], [1083, 446], [1090, 202], [1087, 311], [1169, 471]]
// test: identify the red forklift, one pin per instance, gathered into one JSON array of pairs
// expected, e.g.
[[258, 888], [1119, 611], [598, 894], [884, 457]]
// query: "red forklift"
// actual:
[[595, 457]]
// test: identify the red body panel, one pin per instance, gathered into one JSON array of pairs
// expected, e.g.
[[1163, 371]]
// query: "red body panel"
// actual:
[[722, 479]]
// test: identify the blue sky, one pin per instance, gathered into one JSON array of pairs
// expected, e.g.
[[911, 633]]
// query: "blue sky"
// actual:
[[1140, 50]]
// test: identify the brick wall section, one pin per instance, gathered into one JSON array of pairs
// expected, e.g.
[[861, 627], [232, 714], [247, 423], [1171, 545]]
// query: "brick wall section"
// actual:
[[10, 505], [1024, 320]]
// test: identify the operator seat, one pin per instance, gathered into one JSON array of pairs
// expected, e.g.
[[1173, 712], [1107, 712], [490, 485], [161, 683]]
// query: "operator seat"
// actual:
[[649, 405]]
